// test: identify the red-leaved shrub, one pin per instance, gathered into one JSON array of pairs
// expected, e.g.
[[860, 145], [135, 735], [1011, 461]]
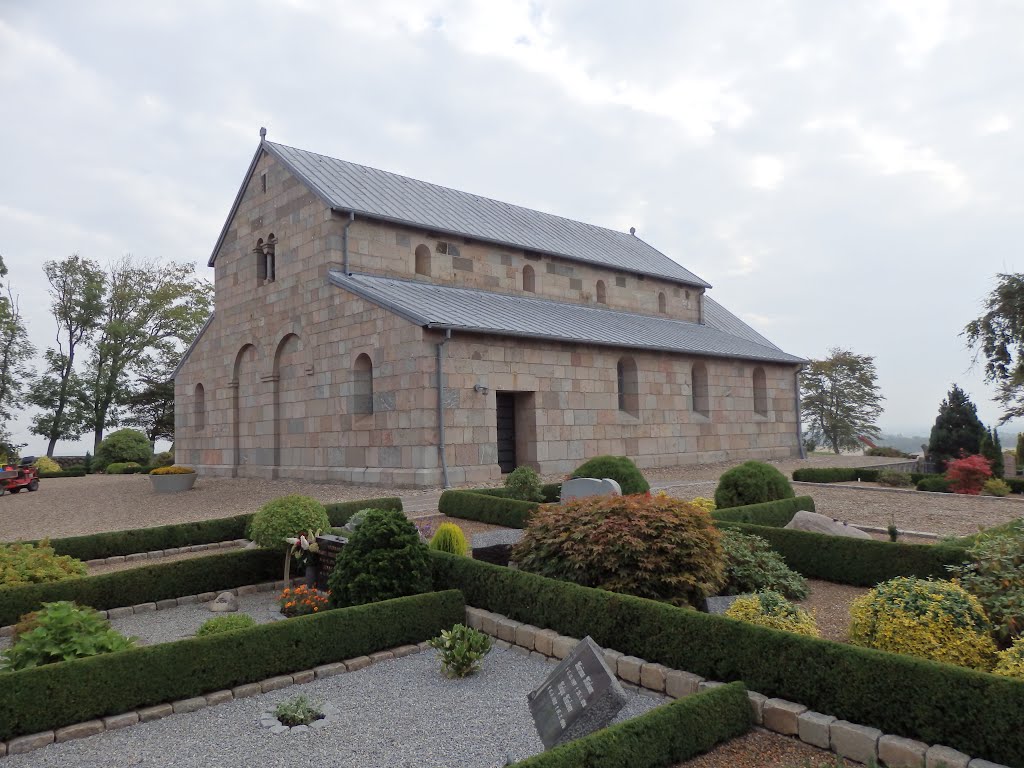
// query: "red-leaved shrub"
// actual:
[[968, 475]]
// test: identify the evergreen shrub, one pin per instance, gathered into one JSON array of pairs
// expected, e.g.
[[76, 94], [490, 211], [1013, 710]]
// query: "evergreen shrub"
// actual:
[[449, 538], [772, 610], [36, 563], [751, 565], [936, 484], [287, 517], [993, 572], [46, 464], [618, 468], [752, 482], [123, 468], [524, 483], [228, 623], [995, 487], [661, 548], [124, 445]]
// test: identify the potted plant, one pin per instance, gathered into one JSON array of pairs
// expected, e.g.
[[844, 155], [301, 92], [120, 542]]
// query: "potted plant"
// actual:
[[172, 479]]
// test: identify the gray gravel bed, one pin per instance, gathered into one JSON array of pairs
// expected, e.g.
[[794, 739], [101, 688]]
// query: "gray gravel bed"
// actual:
[[402, 713], [176, 623]]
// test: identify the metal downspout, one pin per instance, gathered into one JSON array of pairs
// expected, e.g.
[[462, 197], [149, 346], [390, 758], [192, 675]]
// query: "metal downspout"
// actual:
[[799, 426], [440, 406], [344, 241]]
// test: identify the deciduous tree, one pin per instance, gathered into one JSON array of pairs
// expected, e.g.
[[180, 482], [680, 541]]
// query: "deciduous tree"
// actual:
[[841, 399], [998, 336]]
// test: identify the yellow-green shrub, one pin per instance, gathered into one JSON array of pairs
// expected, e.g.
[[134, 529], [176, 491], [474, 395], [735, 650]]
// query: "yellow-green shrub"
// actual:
[[708, 505], [1011, 661], [22, 564], [995, 487], [772, 610], [46, 464], [449, 538], [173, 470], [936, 620]]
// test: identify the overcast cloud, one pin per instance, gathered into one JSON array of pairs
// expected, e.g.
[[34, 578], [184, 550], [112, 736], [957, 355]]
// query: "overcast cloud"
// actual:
[[843, 174]]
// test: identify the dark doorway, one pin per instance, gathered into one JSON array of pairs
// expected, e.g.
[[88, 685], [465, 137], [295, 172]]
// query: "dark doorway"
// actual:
[[506, 407]]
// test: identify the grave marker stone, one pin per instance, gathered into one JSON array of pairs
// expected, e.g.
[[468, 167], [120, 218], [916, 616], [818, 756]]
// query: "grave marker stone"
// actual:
[[583, 487], [580, 696], [720, 605], [329, 545]]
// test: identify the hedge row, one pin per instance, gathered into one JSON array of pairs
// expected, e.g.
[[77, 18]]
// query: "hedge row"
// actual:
[[113, 543], [55, 695], [146, 584], [975, 712], [859, 562], [485, 508], [835, 474], [79, 472], [775, 514], [665, 736]]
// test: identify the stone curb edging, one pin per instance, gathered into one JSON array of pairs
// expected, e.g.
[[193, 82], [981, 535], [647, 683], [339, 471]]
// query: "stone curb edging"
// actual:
[[159, 553], [855, 488], [174, 602], [856, 742], [34, 741]]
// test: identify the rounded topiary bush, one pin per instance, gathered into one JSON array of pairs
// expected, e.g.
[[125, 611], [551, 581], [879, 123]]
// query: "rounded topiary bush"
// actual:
[[384, 558], [524, 483], [752, 482], [660, 547], [936, 620], [124, 445], [449, 538], [617, 468], [772, 610], [287, 517]]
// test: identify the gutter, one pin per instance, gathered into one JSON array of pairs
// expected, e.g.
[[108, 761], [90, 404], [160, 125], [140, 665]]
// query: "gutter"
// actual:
[[440, 406], [799, 426], [344, 241]]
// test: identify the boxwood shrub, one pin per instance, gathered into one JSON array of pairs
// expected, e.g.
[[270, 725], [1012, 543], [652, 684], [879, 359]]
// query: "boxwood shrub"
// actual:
[[486, 508], [146, 584], [73, 472], [975, 712], [666, 735], [776, 514], [55, 695], [340, 512]]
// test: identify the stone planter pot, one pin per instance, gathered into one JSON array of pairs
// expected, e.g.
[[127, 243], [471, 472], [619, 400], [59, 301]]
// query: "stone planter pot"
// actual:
[[173, 483]]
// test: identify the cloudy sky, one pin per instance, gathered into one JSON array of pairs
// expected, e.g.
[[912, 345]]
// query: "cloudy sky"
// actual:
[[843, 174]]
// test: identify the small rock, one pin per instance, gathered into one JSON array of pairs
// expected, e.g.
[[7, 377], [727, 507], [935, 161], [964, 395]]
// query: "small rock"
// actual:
[[300, 729], [815, 523], [319, 725], [278, 729], [224, 603]]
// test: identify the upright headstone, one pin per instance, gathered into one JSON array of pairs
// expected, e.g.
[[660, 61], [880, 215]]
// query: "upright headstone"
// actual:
[[583, 487], [580, 696], [329, 546], [720, 605], [495, 546]]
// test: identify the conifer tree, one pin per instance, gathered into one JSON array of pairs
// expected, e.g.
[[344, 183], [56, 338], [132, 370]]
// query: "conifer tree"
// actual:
[[957, 429], [998, 465]]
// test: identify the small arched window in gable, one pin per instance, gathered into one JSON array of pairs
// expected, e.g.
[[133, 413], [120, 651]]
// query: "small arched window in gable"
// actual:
[[362, 385], [529, 279], [271, 248], [422, 260], [199, 408], [760, 392], [701, 399], [602, 293], [261, 261], [662, 302], [627, 386]]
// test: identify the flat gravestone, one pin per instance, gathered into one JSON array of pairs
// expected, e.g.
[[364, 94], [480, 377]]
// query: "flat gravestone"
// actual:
[[580, 696], [584, 487], [719, 604]]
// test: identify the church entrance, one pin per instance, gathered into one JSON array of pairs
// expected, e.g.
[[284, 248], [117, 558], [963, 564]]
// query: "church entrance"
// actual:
[[506, 407]]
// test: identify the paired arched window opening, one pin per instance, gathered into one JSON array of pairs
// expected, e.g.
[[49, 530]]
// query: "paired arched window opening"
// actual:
[[701, 400], [266, 262], [760, 392], [602, 293], [529, 279], [422, 260], [627, 386], [199, 408], [362, 385]]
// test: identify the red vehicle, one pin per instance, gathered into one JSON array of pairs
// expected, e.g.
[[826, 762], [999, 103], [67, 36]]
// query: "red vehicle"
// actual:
[[25, 475]]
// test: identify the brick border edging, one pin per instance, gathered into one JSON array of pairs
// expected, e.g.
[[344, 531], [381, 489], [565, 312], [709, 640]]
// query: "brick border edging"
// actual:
[[850, 740], [174, 602], [158, 553], [34, 741]]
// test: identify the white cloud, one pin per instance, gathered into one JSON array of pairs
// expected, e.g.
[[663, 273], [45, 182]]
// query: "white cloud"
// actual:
[[1000, 123], [766, 171]]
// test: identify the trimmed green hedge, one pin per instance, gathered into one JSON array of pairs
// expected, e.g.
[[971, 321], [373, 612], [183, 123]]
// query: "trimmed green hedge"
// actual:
[[552, 492], [79, 472], [486, 508], [859, 562], [146, 584], [55, 695], [835, 474], [975, 712], [776, 514], [115, 543], [665, 736]]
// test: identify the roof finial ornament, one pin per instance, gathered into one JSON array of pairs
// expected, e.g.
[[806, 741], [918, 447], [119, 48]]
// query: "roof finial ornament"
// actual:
[[263, 134], [632, 231]]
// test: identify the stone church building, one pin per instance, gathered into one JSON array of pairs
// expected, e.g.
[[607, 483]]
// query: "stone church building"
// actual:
[[372, 328]]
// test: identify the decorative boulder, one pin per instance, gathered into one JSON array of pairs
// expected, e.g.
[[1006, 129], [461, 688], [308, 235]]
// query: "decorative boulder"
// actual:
[[225, 603], [584, 487], [815, 523]]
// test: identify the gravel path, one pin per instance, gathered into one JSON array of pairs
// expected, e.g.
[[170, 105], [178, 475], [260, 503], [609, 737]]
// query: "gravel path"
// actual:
[[831, 606], [399, 713], [95, 570], [763, 749]]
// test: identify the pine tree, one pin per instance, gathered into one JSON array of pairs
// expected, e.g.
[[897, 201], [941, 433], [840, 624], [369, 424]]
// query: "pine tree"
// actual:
[[957, 429], [998, 464]]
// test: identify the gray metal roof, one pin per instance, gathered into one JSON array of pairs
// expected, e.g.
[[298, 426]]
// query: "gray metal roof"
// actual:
[[387, 196], [721, 318], [475, 311]]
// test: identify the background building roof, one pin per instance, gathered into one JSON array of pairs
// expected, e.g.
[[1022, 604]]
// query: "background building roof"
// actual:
[[476, 311], [376, 194]]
